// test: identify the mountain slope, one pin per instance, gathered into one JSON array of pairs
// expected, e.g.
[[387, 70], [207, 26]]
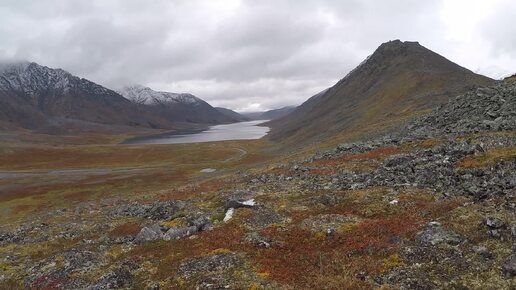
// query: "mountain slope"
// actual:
[[232, 114], [174, 107], [37, 97], [398, 80]]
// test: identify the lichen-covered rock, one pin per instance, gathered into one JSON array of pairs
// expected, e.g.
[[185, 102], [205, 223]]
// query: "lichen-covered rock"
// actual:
[[148, 234], [435, 234], [509, 267], [177, 233]]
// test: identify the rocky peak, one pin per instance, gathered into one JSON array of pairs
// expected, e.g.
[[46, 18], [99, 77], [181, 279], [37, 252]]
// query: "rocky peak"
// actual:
[[143, 95], [30, 78]]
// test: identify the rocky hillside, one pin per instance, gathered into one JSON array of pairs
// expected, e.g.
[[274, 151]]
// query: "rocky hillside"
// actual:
[[174, 107], [399, 80], [430, 205], [37, 97]]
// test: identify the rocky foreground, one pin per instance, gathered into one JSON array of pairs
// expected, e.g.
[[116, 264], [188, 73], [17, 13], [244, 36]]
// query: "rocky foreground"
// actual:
[[431, 206]]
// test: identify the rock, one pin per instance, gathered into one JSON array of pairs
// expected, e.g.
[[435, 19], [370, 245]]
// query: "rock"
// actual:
[[494, 223], [202, 223], [256, 239], [148, 234], [496, 227], [177, 233], [509, 267], [161, 210], [483, 252], [436, 234]]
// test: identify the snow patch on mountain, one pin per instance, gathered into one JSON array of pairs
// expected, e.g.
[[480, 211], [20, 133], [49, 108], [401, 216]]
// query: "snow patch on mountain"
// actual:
[[146, 96]]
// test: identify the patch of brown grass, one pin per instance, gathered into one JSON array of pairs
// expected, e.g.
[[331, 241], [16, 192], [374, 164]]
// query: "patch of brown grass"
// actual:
[[490, 157], [125, 229]]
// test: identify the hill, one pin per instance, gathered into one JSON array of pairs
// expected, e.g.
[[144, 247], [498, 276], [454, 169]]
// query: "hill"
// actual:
[[399, 80]]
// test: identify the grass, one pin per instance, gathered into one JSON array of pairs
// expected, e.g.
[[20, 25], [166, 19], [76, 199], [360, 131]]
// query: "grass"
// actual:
[[133, 171], [490, 157]]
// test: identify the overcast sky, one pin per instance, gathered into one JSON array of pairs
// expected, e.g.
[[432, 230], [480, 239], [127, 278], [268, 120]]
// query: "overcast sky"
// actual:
[[248, 55]]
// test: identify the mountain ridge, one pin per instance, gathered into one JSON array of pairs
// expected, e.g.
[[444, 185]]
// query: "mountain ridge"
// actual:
[[174, 107]]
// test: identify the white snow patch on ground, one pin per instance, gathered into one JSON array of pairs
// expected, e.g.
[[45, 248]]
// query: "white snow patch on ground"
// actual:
[[229, 215], [249, 202]]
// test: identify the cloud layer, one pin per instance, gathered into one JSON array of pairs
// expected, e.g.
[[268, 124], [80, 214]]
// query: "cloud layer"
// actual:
[[248, 55]]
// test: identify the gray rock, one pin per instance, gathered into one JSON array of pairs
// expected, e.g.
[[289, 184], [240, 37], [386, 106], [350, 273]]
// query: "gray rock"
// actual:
[[509, 267], [436, 234], [494, 223], [148, 234], [177, 233]]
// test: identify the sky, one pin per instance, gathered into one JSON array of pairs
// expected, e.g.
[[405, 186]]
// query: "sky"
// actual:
[[248, 55]]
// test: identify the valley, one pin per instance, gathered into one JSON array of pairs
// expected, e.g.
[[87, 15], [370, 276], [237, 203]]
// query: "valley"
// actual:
[[400, 176]]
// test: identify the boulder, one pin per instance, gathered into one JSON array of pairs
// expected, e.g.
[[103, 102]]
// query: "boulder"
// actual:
[[177, 233], [148, 234], [435, 234]]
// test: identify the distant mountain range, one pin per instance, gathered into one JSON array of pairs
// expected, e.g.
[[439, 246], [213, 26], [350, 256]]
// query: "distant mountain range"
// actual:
[[271, 114], [232, 114], [54, 101], [398, 81], [37, 97]]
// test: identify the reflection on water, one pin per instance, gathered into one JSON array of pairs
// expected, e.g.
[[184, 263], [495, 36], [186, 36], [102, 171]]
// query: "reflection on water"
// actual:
[[236, 131]]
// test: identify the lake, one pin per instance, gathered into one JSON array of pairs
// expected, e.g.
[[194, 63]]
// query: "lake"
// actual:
[[235, 131]]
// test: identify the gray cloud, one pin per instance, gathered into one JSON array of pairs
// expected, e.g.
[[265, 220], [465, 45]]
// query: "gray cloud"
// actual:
[[247, 54]]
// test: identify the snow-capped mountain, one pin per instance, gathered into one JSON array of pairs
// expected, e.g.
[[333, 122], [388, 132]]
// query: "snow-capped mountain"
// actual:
[[53, 100], [173, 106], [32, 79], [46, 99], [142, 95]]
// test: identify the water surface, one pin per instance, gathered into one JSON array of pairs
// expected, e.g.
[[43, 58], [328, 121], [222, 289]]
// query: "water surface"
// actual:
[[235, 131]]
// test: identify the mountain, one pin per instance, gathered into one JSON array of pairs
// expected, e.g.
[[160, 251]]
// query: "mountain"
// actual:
[[232, 114], [41, 98], [398, 81], [271, 114], [174, 107], [277, 113]]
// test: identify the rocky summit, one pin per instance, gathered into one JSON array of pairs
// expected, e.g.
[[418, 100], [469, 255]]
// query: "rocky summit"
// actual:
[[430, 205]]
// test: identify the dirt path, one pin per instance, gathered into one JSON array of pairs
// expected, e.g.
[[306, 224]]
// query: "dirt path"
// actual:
[[243, 153]]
